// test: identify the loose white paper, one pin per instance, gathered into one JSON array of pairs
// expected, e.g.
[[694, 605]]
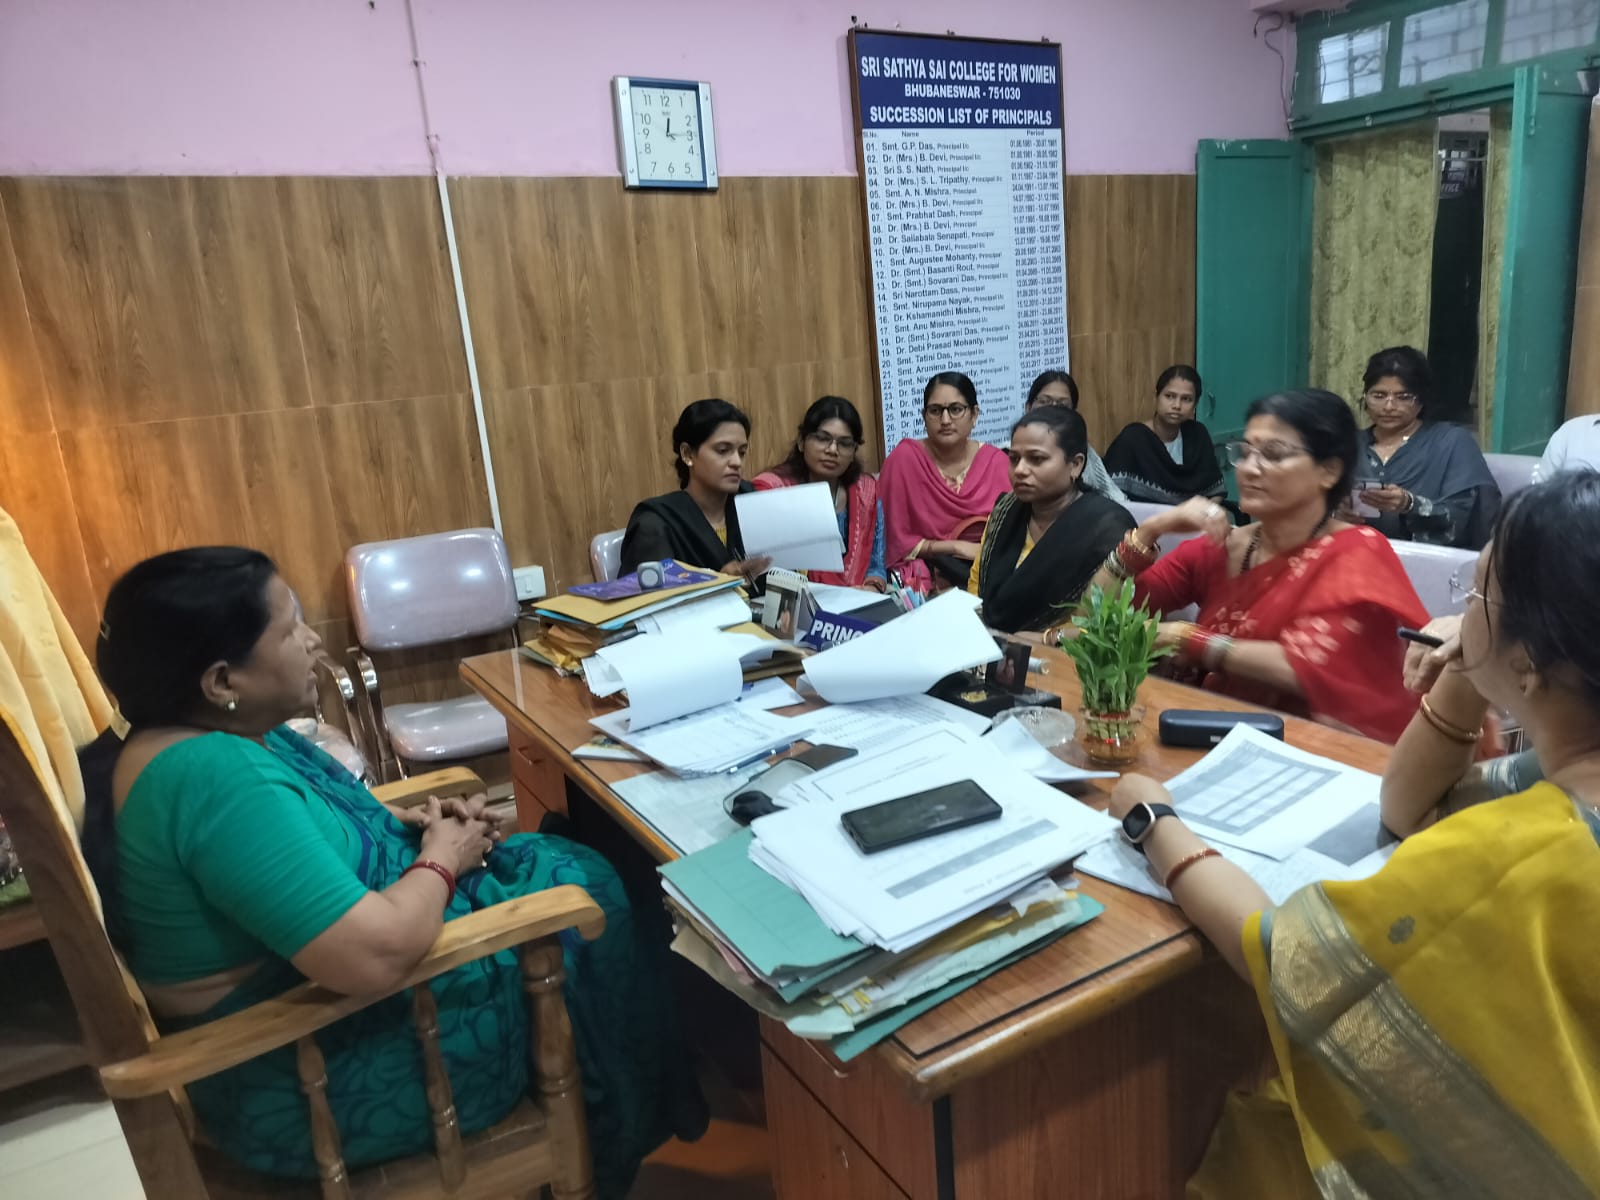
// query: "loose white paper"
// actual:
[[832, 598], [797, 527], [1356, 848], [907, 655], [1016, 744], [1258, 794], [668, 677]]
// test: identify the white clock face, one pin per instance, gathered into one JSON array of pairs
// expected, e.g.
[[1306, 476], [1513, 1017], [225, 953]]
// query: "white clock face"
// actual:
[[666, 135]]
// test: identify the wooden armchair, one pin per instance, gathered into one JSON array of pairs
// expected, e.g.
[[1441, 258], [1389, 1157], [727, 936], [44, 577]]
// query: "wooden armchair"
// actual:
[[543, 1142]]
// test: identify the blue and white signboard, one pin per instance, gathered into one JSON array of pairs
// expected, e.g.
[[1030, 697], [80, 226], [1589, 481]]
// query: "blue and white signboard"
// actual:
[[961, 162]]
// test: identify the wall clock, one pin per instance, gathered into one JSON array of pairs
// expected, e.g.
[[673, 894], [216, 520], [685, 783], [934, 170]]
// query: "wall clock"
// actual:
[[665, 137]]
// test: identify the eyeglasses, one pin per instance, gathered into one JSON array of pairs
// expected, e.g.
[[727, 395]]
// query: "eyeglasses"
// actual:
[[1391, 399], [846, 445], [1463, 588], [1271, 454], [954, 411]]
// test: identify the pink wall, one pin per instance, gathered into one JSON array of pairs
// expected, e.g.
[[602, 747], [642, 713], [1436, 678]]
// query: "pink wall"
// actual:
[[521, 87]]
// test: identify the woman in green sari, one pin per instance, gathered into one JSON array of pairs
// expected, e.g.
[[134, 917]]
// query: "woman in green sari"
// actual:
[[236, 859], [1437, 1026]]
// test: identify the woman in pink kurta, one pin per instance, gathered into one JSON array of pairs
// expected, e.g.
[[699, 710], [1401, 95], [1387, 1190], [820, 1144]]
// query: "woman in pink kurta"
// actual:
[[937, 491]]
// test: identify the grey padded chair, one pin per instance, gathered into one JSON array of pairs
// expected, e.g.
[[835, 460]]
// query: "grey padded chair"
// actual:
[[605, 555], [425, 591]]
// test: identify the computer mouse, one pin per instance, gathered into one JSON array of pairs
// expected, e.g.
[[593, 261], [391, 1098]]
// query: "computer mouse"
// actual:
[[747, 806]]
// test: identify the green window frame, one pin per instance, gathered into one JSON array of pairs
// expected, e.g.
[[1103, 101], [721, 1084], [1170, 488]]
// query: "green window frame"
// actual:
[[1390, 101]]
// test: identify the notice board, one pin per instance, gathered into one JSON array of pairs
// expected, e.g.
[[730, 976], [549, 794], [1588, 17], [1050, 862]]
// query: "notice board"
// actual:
[[959, 145]]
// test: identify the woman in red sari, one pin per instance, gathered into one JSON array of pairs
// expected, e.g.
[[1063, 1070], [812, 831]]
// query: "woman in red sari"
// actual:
[[1298, 611], [939, 490], [825, 452]]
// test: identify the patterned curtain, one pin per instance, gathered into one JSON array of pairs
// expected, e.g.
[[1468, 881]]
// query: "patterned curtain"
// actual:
[[1373, 212], [1496, 189]]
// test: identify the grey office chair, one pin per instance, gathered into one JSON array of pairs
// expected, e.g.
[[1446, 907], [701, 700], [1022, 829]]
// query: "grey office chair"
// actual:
[[425, 591]]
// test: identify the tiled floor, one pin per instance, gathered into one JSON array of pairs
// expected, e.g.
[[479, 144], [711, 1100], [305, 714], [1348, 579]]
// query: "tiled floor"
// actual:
[[60, 1141]]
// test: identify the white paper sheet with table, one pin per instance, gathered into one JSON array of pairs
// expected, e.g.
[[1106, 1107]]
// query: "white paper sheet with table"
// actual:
[[902, 896], [1319, 818], [797, 527], [1261, 795], [906, 656]]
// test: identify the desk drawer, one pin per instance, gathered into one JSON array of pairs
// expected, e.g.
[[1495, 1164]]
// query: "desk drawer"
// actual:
[[868, 1102], [536, 780], [814, 1158]]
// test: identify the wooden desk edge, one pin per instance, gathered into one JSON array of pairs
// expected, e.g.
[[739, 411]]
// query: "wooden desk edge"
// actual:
[[596, 789], [928, 1077]]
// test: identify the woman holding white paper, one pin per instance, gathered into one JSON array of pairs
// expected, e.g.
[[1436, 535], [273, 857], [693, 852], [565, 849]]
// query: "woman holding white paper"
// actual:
[[824, 451], [697, 524], [1048, 535], [1435, 1025]]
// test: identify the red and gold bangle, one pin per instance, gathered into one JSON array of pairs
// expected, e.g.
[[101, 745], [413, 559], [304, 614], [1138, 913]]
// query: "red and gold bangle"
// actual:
[[1134, 556], [427, 864], [1183, 864]]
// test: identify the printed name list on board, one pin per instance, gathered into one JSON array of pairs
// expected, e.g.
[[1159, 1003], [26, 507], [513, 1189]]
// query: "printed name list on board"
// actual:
[[961, 145]]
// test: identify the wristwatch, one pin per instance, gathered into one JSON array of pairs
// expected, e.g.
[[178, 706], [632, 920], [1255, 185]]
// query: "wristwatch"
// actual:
[[1141, 820]]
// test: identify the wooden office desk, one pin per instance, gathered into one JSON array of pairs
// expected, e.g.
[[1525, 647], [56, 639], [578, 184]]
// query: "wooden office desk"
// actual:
[[1095, 1067]]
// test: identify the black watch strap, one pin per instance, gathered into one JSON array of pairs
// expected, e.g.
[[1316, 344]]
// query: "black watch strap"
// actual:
[[1141, 820]]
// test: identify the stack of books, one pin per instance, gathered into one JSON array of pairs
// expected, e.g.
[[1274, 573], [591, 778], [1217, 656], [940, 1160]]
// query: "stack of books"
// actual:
[[574, 625]]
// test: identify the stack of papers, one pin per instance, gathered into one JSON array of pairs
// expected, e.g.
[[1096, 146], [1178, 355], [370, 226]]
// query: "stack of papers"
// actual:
[[1288, 818], [713, 741], [575, 625], [900, 898], [759, 938]]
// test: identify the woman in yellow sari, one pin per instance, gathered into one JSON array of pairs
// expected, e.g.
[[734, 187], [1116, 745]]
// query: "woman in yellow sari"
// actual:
[[1437, 1027]]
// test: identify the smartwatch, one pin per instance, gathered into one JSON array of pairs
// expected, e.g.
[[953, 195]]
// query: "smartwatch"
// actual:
[[1141, 819]]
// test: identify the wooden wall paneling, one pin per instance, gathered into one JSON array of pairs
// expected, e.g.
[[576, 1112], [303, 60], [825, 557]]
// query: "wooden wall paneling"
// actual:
[[762, 220], [672, 327], [24, 400], [833, 258], [113, 274], [481, 208], [517, 421], [571, 282], [398, 468], [572, 460], [372, 283], [256, 480], [249, 327]]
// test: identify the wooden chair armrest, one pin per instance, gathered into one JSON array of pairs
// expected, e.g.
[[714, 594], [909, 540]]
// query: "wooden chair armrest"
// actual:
[[182, 1058], [407, 793]]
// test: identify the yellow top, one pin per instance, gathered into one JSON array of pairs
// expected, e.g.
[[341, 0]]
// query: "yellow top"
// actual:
[[1437, 1027]]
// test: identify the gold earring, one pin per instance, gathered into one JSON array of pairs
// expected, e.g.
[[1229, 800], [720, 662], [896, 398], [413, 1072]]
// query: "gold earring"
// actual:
[[233, 704]]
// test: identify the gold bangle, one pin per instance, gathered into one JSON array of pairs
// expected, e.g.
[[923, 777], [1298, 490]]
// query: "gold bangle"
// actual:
[[1450, 729], [916, 551], [1183, 864]]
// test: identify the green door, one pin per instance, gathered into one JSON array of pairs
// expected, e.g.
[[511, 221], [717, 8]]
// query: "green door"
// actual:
[[1549, 144], [1253, 276]]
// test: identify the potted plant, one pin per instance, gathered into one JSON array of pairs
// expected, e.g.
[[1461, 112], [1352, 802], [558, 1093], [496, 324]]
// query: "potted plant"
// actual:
[[1113, 652]]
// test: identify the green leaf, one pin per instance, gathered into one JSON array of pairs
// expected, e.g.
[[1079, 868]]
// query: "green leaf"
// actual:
[[1114, 649]]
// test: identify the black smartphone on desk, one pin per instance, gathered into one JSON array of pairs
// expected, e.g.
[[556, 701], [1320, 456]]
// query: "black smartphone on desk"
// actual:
[[922, 814]]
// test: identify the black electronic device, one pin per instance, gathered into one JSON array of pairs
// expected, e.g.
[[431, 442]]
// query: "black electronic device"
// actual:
[[1192, 727], [921, 814], [754, 797]]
